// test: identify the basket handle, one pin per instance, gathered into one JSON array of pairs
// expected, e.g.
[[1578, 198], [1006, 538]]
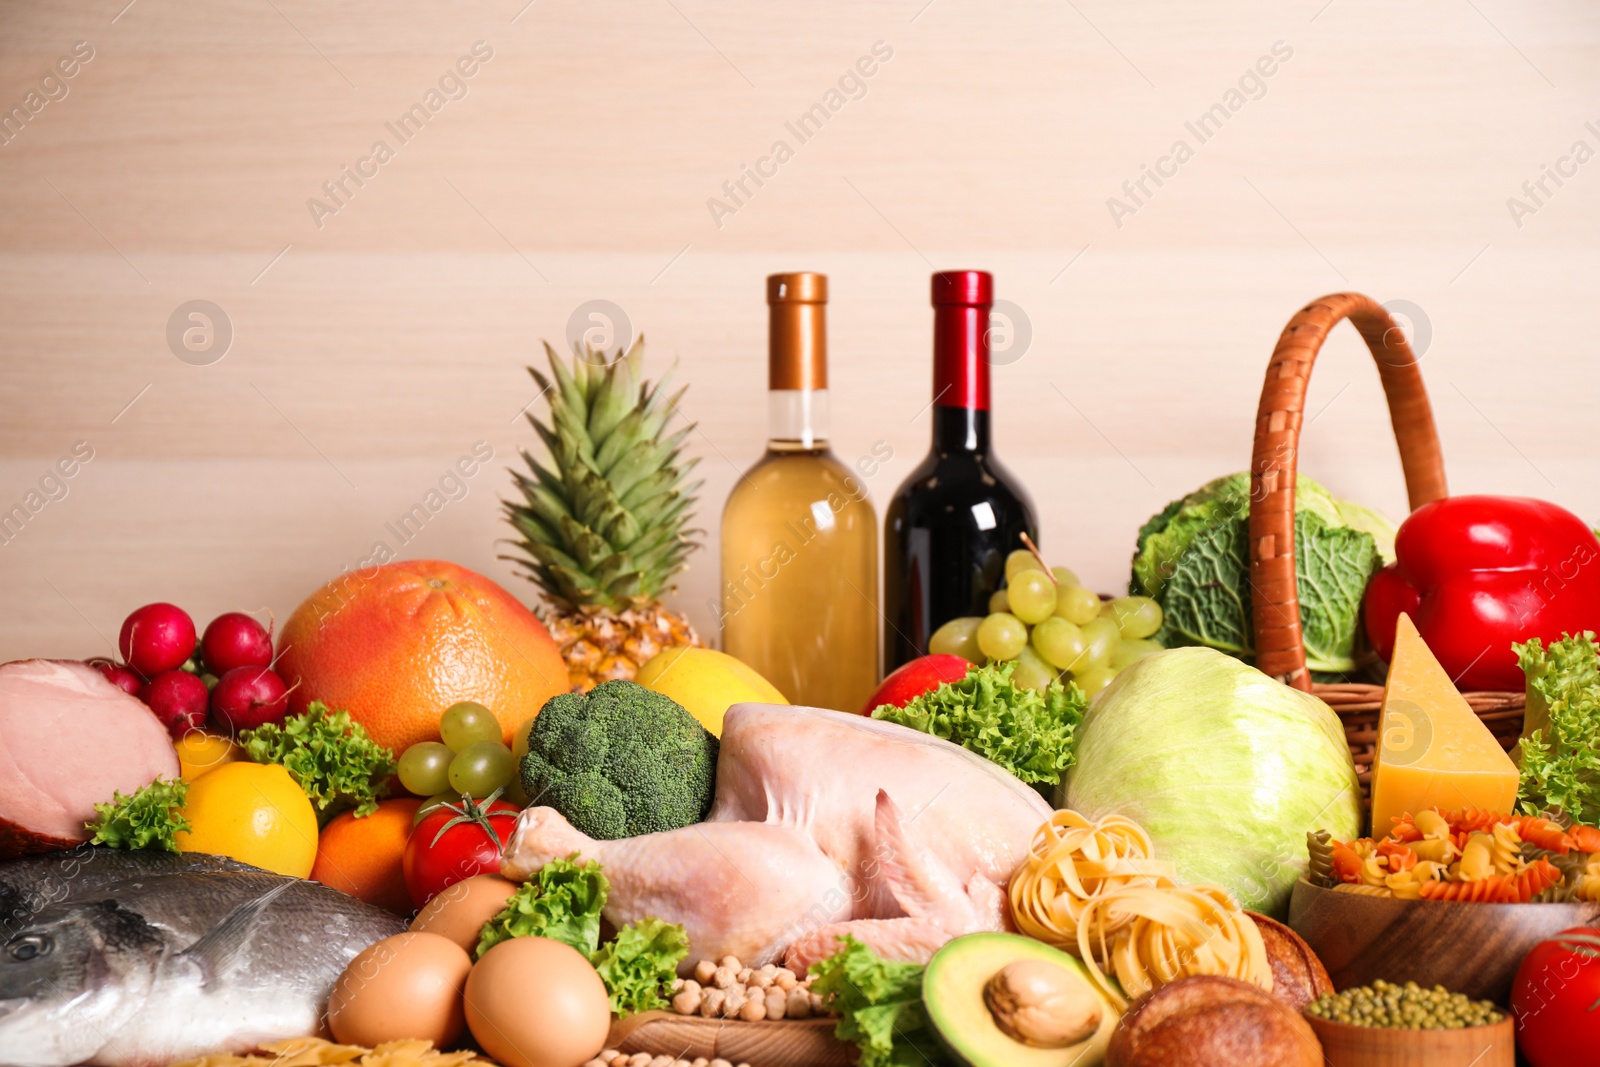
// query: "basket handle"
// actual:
[[1274, 598]]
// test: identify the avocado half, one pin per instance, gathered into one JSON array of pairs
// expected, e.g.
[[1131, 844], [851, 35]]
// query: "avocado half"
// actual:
[[953, 993]]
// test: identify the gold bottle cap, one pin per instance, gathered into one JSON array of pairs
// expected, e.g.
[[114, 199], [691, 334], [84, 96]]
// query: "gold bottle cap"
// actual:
[[797, 333]]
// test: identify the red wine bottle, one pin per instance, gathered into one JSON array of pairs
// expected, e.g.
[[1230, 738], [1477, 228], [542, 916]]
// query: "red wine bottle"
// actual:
[[954, 519]]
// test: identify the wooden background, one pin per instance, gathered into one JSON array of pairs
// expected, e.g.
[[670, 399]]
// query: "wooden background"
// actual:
[[372, 350]]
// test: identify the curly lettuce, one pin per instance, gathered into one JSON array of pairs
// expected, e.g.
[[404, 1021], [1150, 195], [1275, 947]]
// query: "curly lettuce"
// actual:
[[1559, 754], [151, 818], [639, 964], [329, 755], [562, 902], [1027, 732], [879, 1003]]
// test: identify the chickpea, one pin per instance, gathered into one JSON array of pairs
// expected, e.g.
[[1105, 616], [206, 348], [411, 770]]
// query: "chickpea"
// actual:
[[754, 1010], [711, 1003], [744, 976], [730, 962], [687, 1001], [703, 971], [784, 979], [799, 1005], [723, 978], [661, 1061], [776, 1002], [733, 1002], [640, 1059]]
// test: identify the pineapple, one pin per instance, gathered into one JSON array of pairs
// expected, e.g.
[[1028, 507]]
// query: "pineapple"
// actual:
[[602, 527]]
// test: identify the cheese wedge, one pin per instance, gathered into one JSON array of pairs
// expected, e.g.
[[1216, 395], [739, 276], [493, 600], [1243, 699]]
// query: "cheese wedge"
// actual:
[[1433, 750]]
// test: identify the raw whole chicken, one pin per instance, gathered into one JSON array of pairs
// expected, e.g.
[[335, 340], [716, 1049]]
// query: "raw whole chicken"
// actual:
[[825, 824]]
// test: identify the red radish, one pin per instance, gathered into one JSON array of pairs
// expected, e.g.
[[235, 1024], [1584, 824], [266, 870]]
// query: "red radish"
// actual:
[[178, 699], [247, 697], [156, 638], [118, 675], [235, 640], [921, 675]]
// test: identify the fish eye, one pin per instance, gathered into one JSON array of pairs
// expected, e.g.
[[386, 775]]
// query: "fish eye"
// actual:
[[28, 947]]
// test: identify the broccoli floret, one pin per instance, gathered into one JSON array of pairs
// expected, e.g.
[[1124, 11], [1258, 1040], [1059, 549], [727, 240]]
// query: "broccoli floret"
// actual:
[[620, 761]]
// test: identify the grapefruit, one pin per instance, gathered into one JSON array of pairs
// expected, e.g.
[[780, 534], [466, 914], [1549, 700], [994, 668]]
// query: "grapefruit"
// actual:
[[397, 644]]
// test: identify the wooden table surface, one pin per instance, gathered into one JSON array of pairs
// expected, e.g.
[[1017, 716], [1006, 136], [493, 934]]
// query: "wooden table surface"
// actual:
[[380, 337]]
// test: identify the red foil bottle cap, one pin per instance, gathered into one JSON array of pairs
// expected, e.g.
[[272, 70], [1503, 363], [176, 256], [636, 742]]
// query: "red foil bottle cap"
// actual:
[[965, 288], [961, 302]]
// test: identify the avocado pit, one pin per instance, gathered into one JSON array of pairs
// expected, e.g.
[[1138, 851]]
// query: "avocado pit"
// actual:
[[1041, 1004]]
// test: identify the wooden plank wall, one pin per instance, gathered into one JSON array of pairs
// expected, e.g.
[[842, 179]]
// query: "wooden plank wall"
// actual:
[[377, 339]]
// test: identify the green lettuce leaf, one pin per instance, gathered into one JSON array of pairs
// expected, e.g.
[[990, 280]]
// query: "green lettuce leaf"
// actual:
[[329, 755], [1027, 732], [1207, 599], [1559, 754], [562, 902], [879, 1003], [639, 965], [151, 818]]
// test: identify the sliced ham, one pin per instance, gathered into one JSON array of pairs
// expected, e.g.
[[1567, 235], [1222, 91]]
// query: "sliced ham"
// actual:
[[69, 739]]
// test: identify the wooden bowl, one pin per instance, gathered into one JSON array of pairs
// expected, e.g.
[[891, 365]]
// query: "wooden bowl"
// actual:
[[1465, 947], [1344, 1045], [775, 1043]]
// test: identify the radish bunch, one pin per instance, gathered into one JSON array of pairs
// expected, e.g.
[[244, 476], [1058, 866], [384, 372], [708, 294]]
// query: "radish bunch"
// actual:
[[224, 678]]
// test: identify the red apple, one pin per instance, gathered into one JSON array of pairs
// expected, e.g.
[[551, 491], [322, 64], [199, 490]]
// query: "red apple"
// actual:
[[921, 675]]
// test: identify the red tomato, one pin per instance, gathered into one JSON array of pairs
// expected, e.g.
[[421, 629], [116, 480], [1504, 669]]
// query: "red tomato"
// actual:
[[911, 680], [1555, 999], [455, 842]]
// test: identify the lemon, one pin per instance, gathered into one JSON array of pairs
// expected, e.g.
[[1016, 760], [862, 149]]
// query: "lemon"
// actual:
[[200, 752], [254, 813], [706, 682]]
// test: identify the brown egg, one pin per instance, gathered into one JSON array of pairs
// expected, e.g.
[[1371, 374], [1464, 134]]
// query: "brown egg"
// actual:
[[459, 911], [405, 986], [533, 1002]]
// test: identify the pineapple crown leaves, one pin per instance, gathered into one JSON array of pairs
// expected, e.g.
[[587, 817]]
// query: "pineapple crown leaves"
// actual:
[[602, 523]]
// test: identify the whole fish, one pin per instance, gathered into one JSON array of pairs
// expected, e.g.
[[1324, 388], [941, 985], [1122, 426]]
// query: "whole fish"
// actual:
[[143, 959]]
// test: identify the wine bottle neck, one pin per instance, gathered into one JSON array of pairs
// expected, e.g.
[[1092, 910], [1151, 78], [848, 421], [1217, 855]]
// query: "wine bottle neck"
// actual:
[[961, 377], [960, 430], [797, 360], [797, 419]]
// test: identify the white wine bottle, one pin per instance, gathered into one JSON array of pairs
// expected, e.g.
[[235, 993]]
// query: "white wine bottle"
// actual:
[[799, 533]]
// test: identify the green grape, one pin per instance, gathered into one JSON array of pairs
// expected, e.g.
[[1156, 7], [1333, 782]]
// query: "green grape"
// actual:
[[1094, 679], [1019, 561], [1002, 636], [1137, 616], [958, 637], [1032, 671], [466, 723], [1058, 641], [425, 768], [1032, 595], [519, 746], [1100, 639], [481, 768], [1076, 604], [1064, 577], [433, 803], [999, 602], [1130, 652]]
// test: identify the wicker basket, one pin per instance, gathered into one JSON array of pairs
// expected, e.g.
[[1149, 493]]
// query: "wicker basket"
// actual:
[[1280, 648]]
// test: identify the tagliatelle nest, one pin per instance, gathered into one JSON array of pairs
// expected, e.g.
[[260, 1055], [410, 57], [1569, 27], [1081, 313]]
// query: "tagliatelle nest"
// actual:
[[315, 1052], [1095, 889]]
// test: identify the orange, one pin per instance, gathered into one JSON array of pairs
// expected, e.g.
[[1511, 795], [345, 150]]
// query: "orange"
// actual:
[[362, 856], [396, 644]]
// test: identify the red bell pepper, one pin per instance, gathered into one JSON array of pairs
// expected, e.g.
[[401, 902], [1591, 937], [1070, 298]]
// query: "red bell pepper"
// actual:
[[1477, 573]]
